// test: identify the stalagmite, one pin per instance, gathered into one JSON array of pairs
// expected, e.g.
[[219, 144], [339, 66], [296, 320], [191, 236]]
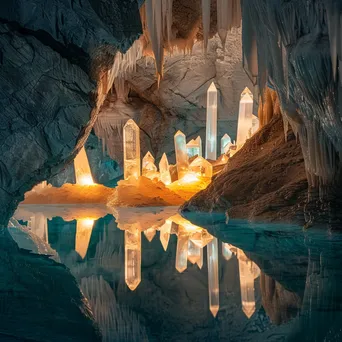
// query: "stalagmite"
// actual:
[[206, 22], [226, 252], [150, 233], [164, 170], [182, 251], [194, 147], [39, 226], [82, 169], [201, 167], [194, 252], [131, 142], [133, 257], [245, 117], [211, 124], [181, 154], [226, 142], [84, 228], [213, 277], [165, 231]]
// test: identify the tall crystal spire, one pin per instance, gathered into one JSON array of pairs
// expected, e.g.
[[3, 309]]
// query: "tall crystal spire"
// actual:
[[164, 170], [84, 228], [182, 251], [194, 252], [213, 278], [165, 231], [133, 257], [245, 119], [181, 154], [211, 128], [131, 143], [82, 169]]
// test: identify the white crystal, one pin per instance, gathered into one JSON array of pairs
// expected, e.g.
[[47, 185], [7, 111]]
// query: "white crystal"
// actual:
[[211, 123]]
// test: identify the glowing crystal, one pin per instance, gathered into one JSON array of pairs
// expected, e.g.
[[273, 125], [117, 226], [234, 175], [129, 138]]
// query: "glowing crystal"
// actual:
[[150, 234], [226, 252], [201, 167], [84, 228], [131, 142], [194, 147], [211, 128], [213, 279], [200, 261], [245, 119], [181, 155], [182, 252], [164, 170], [82, 169], [133, 257], [165, 231], [226, 142], [201, 238], [148, 163], [194, 252]]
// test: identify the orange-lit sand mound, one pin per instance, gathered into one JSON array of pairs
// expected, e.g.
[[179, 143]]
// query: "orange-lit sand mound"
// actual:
[[69, 194]]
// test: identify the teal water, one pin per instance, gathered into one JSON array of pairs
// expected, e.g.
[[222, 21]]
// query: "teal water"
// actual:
[[296, 281]]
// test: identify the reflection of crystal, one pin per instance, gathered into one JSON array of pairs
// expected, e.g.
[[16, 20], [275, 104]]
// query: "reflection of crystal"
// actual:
[[201, 238], [226, 142], [133, 257], [182, 252], [214, 295], [245, 117], [226, 252], [165, 231], [200, 261], [194, 252], [211, 131], [194, 147], [150, 233], [148, 164], [39, 226], [248, 272], [84, 228], [164, 170], [181, 155], [201, 167], [82, 169], [131, 142]]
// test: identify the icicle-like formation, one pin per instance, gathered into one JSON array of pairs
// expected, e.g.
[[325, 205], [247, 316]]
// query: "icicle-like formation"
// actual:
[[84, 228], [206, 22]]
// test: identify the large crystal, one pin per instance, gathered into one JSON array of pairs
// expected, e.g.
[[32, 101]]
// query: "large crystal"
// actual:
[[201, 167], [213, 278], [201, 238], [84, 228], [150, 234], [165, 231], [194, 252], [194, 147], [226, 252], [164, 170], [226, 142], [133, 257], [211, 128], [148, 163], [39, 226], [82, 169], [181, 154], [182, 252], [131, 143], [245, 119]]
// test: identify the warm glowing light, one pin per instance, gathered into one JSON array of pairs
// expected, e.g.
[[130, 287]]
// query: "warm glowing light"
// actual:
[[82, 169], [86, 180], [84, 228], [189, 178]]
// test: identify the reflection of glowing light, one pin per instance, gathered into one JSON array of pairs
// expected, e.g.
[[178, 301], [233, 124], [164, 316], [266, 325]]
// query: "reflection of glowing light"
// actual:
[[189, 178], [84, 227], [85, 180], [86, 222]]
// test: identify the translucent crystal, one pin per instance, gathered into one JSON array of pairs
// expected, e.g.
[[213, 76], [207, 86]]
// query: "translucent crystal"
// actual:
[[211, 124], [133, 257], [201, 238], [82, 169], [200, 261], [148, 163], [39, 226], [213, 278], [84, 228], [182, 252], [165, 231], [181, 154], [194, 147], [131, 142], [201, 167], [245, 119], [226, 142], [164, 170], [150, 234], [194, 252], [226, 252]]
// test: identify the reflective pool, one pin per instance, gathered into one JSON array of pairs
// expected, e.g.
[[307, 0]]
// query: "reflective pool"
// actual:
[[150, 275]]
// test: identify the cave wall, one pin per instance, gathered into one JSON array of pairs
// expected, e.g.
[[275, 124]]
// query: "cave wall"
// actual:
[[51, 55]]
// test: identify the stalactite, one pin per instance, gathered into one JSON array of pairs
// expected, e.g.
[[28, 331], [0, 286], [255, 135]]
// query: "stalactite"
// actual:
[[206, 22]]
